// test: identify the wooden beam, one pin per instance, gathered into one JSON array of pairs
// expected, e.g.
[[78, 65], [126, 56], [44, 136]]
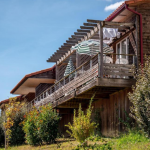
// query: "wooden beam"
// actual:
[[65, 47], [65, 56], [118, 27], [72, 41], [101, 49], [121, 30], [75, 39], [110, 23], [69, 44], [90, 24], [95, 37], [80, 33], [77, 36], [80, 30], [86, 27]]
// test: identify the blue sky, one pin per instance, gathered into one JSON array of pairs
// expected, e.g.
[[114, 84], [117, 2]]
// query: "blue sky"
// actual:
[[32, 30]]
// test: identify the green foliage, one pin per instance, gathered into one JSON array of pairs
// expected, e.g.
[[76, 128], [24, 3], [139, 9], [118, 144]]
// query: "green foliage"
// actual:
[[17, 133], [131, 138], [140, 98], [2, 136], [47, 124], [30, 127], [82, 126], [106, 146], [41, 125]]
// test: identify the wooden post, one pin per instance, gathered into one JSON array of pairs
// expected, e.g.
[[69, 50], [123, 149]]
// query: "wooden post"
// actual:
[[82, 69], [133, 60], [46, 93], [50, 91], [56, 74], [77, 55], [64, 81], [99, 65], [75, 74], [90, 63], [69, 78], [59, 85], [101, 48]]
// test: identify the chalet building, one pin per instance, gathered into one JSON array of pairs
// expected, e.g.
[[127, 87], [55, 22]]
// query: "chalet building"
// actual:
[[98, 59]]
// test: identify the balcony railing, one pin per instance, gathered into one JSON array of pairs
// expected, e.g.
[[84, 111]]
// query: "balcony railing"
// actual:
[[86, 74]]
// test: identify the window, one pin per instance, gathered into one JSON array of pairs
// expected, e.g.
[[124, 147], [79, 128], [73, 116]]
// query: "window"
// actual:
[[123, 48]]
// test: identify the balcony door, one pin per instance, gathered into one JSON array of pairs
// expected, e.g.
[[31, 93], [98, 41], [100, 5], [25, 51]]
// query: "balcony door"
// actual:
[[123, 48]]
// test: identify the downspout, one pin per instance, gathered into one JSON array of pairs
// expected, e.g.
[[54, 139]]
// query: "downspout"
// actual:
[[141, 30]]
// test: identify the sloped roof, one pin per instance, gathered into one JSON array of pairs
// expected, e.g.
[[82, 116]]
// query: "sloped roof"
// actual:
[[29, 76], [122, 6]]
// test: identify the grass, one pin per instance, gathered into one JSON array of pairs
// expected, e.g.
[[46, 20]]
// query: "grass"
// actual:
[[134, 140]]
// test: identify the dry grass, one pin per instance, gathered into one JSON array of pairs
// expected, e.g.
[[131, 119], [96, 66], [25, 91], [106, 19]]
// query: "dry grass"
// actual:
[[127, 142], [62, 144]]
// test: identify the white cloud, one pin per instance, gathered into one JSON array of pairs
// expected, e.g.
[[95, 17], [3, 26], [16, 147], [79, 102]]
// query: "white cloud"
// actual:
[[113, 6]]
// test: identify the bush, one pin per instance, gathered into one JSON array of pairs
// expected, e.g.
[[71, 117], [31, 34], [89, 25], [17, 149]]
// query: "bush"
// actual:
[[140, 98], [41, 125], [17, 133], [2, 136], [30, 127], [82, 126], [47, 124]]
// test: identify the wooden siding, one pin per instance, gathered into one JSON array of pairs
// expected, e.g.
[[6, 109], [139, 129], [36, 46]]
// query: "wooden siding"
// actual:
[[49, 75], [112, 109], [41, 88]]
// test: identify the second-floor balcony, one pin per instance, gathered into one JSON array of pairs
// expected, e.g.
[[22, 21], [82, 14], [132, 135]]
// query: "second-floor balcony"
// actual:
[[114, 71]]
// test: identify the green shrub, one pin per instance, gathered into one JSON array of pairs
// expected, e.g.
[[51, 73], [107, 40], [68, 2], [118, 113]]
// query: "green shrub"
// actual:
[[41, 125], [2, 136], [82, 126], [17, 133], [140, 98], [47, 124], [30, 128]]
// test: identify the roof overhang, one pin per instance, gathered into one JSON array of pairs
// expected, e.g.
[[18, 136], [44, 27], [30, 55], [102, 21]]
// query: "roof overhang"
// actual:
[[30, 84], [32, 80], [121, 13]]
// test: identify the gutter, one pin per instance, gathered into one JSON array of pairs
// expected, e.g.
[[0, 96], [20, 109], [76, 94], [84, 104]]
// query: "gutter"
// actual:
[[124, 6]]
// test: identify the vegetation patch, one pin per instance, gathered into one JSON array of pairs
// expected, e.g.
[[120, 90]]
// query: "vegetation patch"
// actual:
[[41, 125]]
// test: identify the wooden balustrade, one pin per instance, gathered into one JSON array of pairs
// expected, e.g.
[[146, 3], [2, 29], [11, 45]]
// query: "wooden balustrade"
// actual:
[[82, 76]]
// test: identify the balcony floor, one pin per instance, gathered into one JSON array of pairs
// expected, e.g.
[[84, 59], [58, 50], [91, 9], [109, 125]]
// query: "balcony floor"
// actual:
[[102, 88]]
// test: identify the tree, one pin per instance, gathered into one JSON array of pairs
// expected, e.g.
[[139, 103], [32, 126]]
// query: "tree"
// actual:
[[140, 97], [11, 111]]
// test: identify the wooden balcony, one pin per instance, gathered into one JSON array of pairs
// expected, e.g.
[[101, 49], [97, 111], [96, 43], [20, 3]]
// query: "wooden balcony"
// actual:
[[88, 78]]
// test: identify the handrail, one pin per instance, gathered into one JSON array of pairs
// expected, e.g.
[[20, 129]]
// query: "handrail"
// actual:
[[53, 86]]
